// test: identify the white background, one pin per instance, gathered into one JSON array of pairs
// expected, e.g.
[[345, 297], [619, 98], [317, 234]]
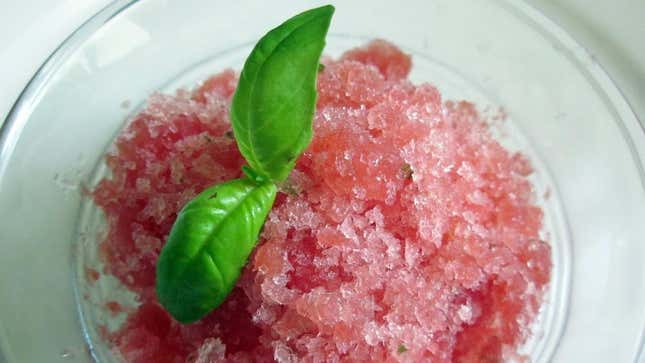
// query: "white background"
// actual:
[[612, 30]]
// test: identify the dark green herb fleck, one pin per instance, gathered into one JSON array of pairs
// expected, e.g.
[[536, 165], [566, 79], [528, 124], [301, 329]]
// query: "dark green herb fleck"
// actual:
[[406, 171], [289, 187]]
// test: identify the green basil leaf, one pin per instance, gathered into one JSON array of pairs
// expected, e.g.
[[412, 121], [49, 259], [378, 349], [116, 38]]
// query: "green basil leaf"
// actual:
[[209, 245], [273, 106]]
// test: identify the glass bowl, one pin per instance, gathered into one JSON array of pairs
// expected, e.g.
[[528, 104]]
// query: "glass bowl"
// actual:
[[563, 111]]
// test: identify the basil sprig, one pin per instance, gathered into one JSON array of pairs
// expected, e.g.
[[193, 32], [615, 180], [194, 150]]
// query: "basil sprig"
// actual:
[[271, 113]]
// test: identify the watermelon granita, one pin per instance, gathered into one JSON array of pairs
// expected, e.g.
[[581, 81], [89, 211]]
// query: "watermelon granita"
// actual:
[[406, 232]]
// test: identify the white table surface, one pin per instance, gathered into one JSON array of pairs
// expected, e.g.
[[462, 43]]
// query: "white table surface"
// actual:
[[613, 31]]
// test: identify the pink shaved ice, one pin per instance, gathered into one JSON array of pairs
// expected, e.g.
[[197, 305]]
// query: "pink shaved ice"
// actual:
[[406, 233]]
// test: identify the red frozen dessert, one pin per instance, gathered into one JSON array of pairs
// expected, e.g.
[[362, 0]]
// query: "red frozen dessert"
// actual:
[[405, 233]]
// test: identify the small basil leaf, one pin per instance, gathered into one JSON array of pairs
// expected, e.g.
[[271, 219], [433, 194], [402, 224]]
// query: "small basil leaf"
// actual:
[[273, 106], [209, 245]]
